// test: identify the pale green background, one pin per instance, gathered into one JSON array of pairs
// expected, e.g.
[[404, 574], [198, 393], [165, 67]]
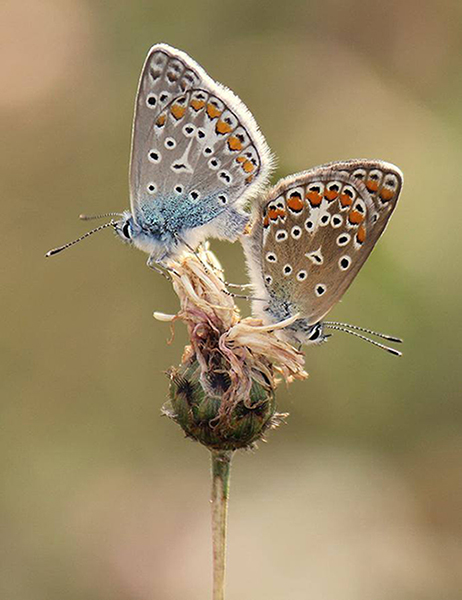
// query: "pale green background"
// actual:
[[359, 496]]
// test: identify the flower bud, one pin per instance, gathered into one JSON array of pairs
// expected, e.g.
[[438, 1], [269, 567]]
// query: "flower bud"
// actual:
[[223, 393], [206, 412]]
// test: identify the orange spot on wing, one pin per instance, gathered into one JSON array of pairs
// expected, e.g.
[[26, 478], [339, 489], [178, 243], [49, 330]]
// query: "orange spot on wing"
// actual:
[[197, 104], [315, 198], [345, 200], [234, 143], [273, 214], [372, 185], [248, 166], [355, 217], [266, 221], [222, 127], [361, 235], [386, 194], [178, 111], [161, 120], [249, 179], [241, 159], [295, 203], [212, 111], [331, 194], [281, 213]]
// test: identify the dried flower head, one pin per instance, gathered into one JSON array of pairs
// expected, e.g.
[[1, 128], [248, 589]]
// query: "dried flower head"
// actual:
[[223, 392]]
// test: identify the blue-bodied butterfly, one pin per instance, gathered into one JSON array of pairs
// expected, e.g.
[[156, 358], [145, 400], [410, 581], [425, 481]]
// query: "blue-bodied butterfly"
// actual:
[[197, 157]]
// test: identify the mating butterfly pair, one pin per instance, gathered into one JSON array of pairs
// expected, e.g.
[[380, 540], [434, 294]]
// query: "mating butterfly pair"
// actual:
[[198, 157]]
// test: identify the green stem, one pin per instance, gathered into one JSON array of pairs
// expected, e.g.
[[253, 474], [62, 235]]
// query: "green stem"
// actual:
[[221, 465]]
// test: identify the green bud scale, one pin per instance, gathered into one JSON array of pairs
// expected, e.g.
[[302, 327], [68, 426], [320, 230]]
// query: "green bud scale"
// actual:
[[202, 405]]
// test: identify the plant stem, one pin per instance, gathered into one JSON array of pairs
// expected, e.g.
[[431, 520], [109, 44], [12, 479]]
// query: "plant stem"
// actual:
[[221, 465]]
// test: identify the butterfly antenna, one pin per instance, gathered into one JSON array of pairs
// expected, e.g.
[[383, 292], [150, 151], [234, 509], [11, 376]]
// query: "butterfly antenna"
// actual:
[[91, 217], [383, 336], [363, 337], [85, 235]]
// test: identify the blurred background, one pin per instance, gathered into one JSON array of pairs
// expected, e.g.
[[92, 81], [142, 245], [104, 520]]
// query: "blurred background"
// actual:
[[359, 495]]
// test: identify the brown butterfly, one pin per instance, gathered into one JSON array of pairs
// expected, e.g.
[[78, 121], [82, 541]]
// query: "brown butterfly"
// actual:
[[311, 235]]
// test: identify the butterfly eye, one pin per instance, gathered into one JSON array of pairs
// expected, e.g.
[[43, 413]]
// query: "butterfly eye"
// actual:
[[126, 230], [315, 333]]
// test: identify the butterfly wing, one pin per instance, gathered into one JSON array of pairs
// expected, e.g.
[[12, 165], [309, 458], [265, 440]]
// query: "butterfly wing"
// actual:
[[196, 148], [314, 231], [383, 181]]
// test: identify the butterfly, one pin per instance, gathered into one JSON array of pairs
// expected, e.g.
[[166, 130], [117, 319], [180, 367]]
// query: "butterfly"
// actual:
[[197, 156], [311, 234]]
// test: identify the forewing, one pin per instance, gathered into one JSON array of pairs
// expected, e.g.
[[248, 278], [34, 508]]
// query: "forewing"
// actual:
[[192, 138], [317, 228]]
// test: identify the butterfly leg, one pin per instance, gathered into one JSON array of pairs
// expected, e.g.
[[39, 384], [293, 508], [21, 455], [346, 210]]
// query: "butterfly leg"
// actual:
[[156, 264]]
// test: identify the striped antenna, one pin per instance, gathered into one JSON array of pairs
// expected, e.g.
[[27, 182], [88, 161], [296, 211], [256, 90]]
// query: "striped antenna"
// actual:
[[85, 235], [335, 327], [383, 336], [91, 217]]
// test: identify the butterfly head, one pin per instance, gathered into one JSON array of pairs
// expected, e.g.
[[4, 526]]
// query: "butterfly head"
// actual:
[[155, 240], [126, 227], [301, 332]]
